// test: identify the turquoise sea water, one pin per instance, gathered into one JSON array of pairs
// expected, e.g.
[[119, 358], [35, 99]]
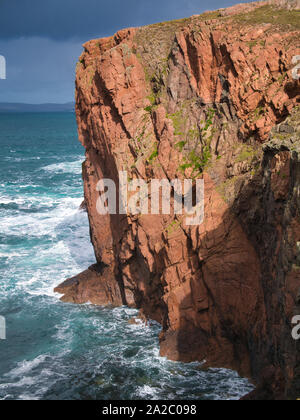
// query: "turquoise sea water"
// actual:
[[62, 351]]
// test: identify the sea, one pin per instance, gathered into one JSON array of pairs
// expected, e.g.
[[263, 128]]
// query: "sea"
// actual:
[[61, 351]]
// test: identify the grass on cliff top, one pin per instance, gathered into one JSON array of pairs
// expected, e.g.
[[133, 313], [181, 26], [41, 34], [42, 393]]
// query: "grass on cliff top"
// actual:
[[156, 40], [269, 14], [182, 22]]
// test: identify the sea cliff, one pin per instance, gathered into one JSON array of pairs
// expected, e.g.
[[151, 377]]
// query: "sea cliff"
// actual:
[[227, 290]]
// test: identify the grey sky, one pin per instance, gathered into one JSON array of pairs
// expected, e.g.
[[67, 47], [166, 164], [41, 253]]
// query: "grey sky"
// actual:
[[41, 39]]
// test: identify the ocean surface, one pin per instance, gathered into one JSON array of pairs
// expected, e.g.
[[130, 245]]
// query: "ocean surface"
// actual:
[[62, 351]]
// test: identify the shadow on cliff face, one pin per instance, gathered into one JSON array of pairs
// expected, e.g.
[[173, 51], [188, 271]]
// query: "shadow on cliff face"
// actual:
[[147, 288], [292, 89], [268, 209], [250, 288], [221, 319]]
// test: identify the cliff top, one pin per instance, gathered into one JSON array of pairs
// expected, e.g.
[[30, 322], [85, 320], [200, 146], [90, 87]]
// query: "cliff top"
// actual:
[[247, 47], [278, 13]]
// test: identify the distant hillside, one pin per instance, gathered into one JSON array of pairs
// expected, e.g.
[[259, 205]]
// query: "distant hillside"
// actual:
[[19, 107]]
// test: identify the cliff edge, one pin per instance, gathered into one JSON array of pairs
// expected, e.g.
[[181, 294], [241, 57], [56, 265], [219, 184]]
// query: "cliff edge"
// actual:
[[211, 95]]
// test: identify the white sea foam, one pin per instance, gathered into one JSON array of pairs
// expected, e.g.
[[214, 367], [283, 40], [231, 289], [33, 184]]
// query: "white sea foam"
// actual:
[[23, 159], [64, 332], [48, 265], [148, 393], [74, 167], [59, 247], [22, 382], [61, 262], [34, 383], [8, 200], [26, 366], [40, 224]]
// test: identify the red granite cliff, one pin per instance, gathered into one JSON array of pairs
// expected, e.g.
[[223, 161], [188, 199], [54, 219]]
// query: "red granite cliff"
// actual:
[[224, 291]]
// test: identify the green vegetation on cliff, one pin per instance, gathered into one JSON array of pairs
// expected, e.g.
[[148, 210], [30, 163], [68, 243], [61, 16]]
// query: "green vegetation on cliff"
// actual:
[[270, 14]]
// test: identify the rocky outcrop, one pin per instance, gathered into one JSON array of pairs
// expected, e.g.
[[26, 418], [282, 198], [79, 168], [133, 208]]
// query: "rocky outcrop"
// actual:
[[96, 285], [201, 96]]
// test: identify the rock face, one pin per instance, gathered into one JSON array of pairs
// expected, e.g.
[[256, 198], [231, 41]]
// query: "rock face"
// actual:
[[211, 96], [96, 285]]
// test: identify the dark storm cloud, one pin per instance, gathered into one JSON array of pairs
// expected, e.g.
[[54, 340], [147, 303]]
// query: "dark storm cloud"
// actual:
[[83, 19], [39, 70], [41, 39]]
